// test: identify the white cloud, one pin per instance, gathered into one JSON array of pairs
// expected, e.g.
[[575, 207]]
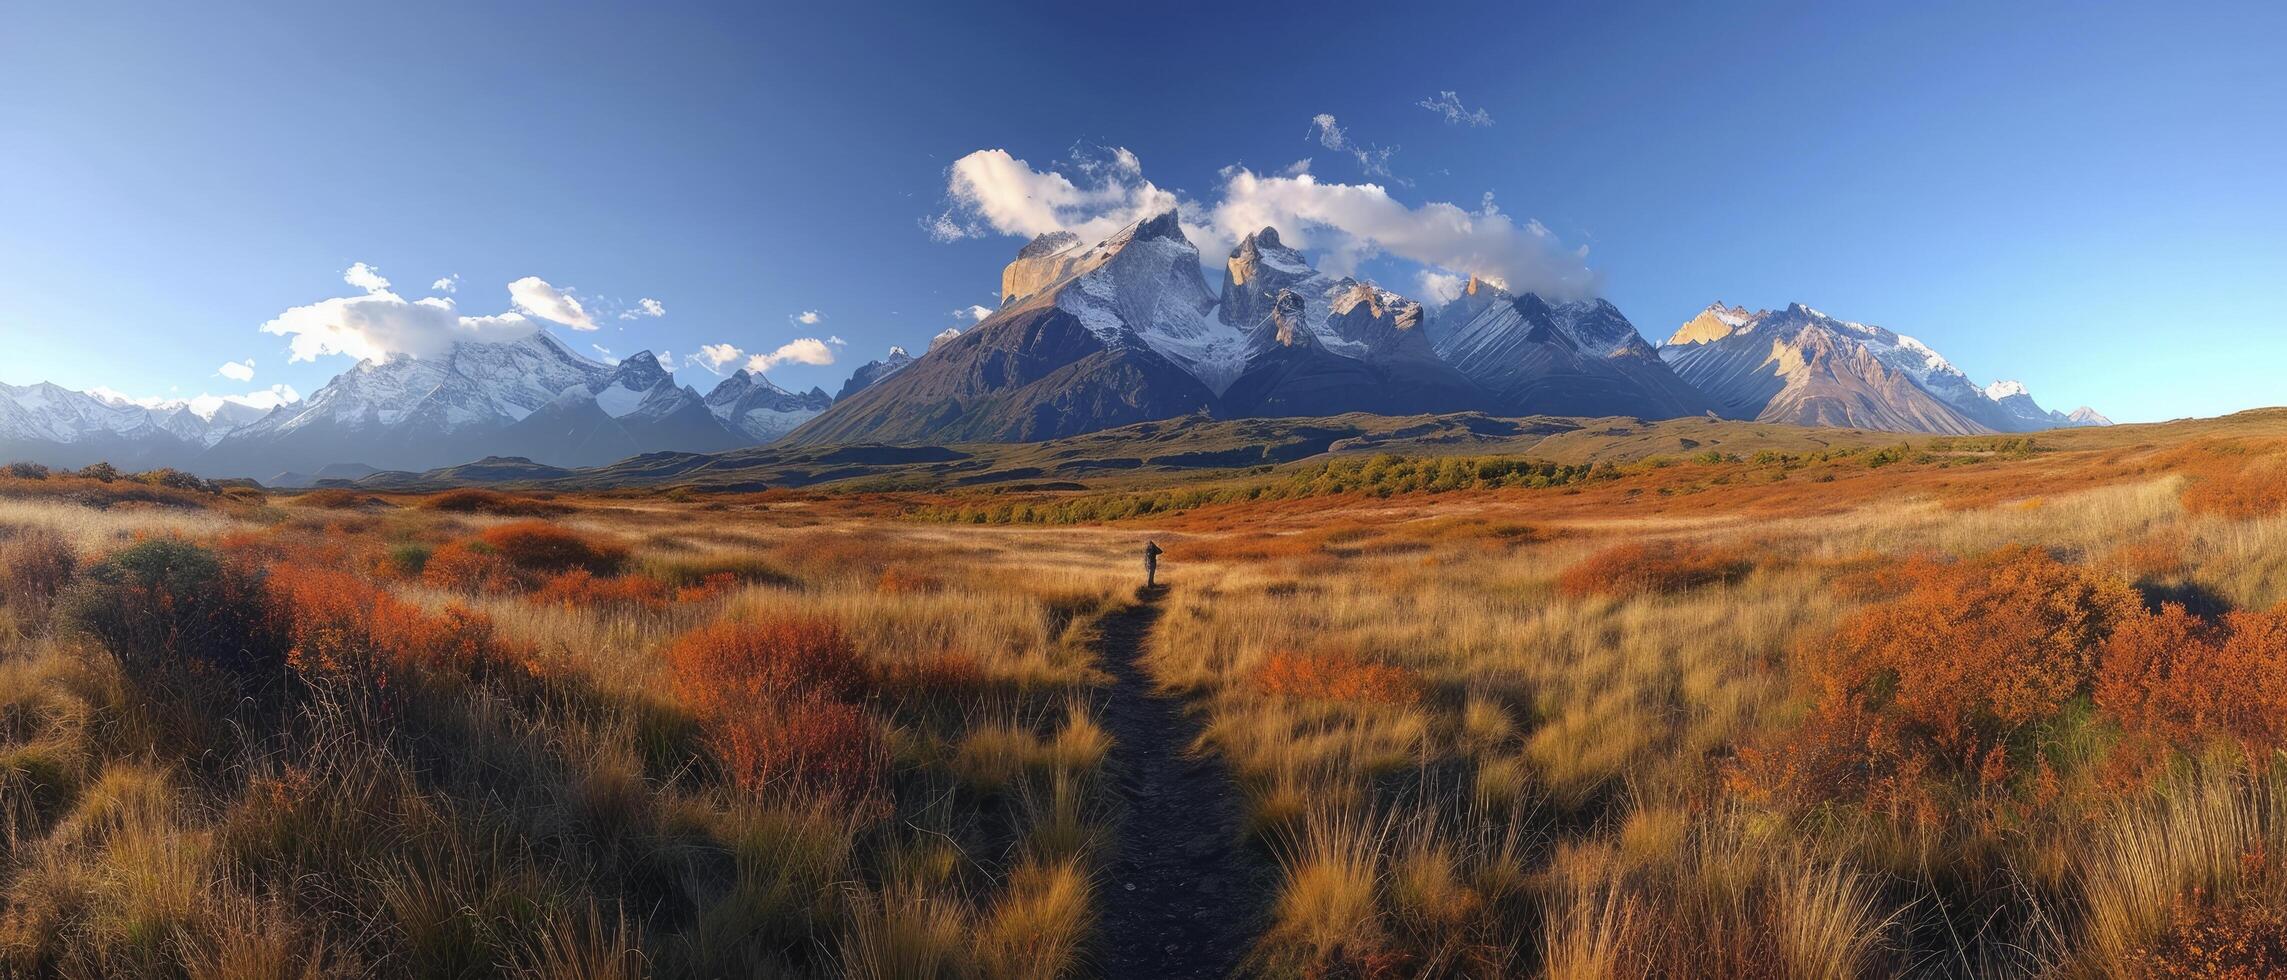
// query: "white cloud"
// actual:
[[806, 317], [237, 370], [942, 336], [448, 284], [535, 296], [364, 277], [381, 323], [1373, 160], [801, 350], [714, 356], [1345, 224], [606, 353], [837, 341], [992, 191], [644, 307], [1448, 104], [1440, 287]]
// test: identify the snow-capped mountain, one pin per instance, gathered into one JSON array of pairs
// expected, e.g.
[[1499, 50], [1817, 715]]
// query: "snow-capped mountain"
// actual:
[[62, 427], [1573, 358], [1126, 330], [1801, 366], [1087, 337], [872, 371], [1316, 344], [748, 404]]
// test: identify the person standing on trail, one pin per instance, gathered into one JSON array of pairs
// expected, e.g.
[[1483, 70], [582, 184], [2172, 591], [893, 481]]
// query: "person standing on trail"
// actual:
[[1152, 552]]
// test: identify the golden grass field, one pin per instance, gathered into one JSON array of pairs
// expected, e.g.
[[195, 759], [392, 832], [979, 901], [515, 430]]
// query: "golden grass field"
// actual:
[[1977, 708]]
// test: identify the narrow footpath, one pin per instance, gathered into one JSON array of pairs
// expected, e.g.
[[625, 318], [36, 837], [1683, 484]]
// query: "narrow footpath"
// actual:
[[1184, 897]]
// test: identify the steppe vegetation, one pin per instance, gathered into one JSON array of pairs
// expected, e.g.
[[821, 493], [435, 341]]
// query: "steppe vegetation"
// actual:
[[1944, 708]]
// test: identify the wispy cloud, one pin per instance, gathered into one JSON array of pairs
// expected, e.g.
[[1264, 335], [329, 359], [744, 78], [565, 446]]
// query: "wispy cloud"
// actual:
[[447, 284], [645, 307], [1374, 161], [1448, 104]]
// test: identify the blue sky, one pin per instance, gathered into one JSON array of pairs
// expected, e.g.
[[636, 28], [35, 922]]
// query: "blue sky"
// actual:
[[2083, 197]]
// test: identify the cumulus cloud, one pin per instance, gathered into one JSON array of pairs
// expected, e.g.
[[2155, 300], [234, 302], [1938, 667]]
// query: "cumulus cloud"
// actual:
[[381, 323], [533, 295], [801, 350], [1440, 287], [991, 191], [448, 284], [1345, 224], [644, 307], [714, 357], [1374, 161], [806, 317], [1448, 104], [237, 370], [365, 277]]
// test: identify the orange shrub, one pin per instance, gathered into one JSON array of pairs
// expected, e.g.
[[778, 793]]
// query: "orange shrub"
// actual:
[[903, 581], [580, 587], [1656, 566], [2184, 679], [778, 700], [334, 622], [1951, 684], [468, 566], [1335, 677], [714, 586], [492, 502], [538, 546]]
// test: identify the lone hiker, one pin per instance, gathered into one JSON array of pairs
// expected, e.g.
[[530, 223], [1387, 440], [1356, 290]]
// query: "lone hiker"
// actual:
[[1152, 552]]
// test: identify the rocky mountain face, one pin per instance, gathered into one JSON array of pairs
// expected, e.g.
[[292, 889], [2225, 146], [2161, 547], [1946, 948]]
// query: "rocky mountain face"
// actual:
[[1803, 367], [1091, 336], [1086, 345], [748, 404], [872, 371], [1574, 358], [55, 425]]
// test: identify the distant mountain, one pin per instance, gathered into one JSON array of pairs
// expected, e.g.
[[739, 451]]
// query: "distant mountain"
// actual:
[[1091, 336], [749, 405], [58, 426], [872, 371], [1081, 343], [1321, 345], [1580, 358], [1801, 366]]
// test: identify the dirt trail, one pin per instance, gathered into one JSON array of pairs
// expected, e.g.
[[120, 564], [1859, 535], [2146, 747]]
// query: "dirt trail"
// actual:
[[1184, 896]]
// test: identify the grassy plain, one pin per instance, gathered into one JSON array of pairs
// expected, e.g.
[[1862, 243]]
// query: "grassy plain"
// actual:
[[1769, 704]]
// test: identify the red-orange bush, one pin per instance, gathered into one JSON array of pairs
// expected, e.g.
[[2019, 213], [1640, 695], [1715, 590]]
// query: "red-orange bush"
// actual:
[[580, 587], [334, 622], [1651, 566], [1948, 689], [779, 700], [538, 546], [2183, 679], [1335, 677], [492, 502], [468, 566], [714, 586]]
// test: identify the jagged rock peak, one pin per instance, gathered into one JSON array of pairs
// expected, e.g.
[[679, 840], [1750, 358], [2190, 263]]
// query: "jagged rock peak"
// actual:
[[1048, 243]]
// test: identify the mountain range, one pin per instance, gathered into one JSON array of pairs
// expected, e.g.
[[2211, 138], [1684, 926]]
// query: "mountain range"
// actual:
[[1089, 336]]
